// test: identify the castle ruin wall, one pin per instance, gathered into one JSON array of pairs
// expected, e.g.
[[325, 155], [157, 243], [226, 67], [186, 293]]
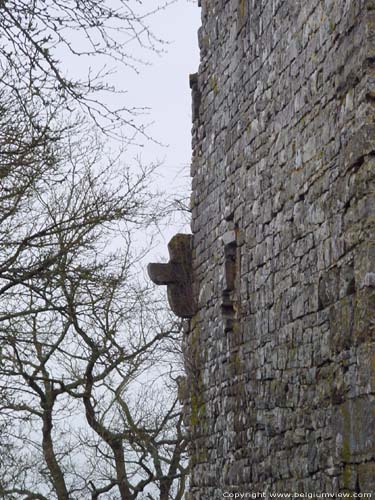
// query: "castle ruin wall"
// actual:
[[280, 353]]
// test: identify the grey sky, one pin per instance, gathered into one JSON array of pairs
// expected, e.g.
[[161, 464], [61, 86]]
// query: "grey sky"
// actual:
[[164, 87]]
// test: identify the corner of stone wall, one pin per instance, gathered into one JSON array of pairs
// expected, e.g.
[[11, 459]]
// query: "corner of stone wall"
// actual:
[[280, 355]]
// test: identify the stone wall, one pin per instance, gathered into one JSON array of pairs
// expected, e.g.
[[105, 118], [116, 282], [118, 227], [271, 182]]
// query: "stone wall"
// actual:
[[280, 354]]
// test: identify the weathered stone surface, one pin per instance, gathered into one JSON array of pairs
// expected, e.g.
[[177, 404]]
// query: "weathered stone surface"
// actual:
[[280, 352], [177, 275]]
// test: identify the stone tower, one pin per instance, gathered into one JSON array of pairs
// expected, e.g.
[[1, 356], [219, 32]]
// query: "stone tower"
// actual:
[[280, 351]]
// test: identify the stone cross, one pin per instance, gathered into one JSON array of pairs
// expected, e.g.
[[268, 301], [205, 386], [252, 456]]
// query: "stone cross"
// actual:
[[177, 275]]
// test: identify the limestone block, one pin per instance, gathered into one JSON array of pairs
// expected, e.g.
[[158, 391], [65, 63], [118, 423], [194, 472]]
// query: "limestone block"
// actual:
[[177, 275]]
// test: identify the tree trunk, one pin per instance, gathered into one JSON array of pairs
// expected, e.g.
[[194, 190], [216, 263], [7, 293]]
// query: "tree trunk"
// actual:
[[118, 452], [50, 457], [165, 486]]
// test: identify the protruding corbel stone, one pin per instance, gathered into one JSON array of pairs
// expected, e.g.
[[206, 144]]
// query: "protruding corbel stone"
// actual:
[[177, 275]]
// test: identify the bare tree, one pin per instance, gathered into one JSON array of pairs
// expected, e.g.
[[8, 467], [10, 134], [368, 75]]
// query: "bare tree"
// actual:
[[79, 330], [36, 36], [86, 409]]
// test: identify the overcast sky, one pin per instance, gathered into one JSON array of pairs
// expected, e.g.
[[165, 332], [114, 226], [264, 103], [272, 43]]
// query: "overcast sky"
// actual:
[[165, 88], [162, 86]]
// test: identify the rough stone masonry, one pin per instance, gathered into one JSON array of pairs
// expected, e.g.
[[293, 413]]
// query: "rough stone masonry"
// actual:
[[280, 353]]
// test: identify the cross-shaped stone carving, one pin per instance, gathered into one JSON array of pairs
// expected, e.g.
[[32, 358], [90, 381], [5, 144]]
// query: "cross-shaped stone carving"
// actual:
[[177, 275]]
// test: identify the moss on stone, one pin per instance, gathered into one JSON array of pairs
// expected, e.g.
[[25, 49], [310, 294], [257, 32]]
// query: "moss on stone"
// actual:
[[214, 84], [236, 364], [197, 404], [242, 8], [199, 455], [347, 476]]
